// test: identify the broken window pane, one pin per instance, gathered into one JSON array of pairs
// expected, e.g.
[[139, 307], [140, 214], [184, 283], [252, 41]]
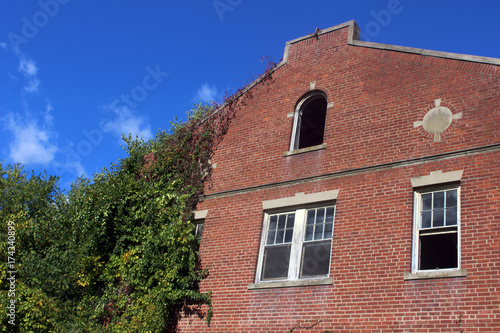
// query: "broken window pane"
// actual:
[[451, 198]]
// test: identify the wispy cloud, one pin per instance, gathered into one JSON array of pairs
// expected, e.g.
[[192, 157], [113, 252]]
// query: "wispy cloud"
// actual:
[[126, 121], [32, 85], [206, 93], [31, 143], [27, 66]]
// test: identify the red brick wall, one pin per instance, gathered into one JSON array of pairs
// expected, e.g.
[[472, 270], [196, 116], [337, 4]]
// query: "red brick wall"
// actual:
[[377, 96]]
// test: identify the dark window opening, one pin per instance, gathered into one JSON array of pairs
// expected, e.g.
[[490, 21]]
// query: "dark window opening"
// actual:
[[438, 251], [311, 122]]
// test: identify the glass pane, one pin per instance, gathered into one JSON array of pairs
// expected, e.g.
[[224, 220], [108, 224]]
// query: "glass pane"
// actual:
[[270, 237], [427, 201], [315, 258], [438, 200], [329, 215], [328, 230], [280, 234], [309, 232], [320, 215], [281, 221], [451, 198], [451, 216], [290, 221], [288, 235], [275, 264], [310, 216], [318, 231], [438, 218], [426, 219], [272, 222]]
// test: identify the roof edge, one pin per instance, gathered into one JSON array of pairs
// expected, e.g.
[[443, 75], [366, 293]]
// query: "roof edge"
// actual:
[[353, 39]]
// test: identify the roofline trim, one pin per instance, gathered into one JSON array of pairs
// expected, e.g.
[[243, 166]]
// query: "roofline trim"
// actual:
[[353, 39]]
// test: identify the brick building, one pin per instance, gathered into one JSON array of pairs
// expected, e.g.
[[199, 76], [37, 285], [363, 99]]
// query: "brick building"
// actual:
[[358, 192]]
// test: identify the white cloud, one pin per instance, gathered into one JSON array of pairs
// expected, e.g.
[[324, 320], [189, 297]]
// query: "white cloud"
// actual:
[[206, 93], [32, 85], [127, 122], [27, 66], [31, 143]]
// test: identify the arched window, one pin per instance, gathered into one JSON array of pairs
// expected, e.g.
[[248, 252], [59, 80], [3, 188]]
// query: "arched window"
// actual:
[[309, 121]]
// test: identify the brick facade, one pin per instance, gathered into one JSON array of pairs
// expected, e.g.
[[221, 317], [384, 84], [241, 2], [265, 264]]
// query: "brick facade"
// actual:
[[375, 143]]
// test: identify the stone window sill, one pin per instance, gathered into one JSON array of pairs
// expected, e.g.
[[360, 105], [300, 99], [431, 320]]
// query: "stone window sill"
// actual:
[[290, 284], [304, 150], [437, 274]]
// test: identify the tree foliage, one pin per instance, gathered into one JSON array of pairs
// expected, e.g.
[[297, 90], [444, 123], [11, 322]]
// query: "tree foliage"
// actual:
[[117, 253]]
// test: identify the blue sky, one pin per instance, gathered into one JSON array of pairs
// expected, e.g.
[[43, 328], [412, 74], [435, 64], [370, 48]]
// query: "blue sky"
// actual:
[[76, 74]]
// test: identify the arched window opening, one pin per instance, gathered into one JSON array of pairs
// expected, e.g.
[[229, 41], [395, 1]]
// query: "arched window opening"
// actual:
[[310, 116]]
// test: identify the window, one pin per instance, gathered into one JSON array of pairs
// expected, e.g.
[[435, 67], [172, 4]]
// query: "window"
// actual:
[[437, 229], [296, 244], [309, 121], [198, 230], [198, 219]]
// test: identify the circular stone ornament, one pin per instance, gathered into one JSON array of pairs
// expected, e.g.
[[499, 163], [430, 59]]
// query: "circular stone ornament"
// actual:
[[437, 120]]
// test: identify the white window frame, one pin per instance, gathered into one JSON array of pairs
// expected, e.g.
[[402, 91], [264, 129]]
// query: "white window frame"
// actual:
[[434, 182], [299, 204], [416, 260]]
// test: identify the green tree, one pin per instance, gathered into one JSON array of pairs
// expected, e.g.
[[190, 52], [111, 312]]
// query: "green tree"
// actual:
[[34, 257], [117, 253]]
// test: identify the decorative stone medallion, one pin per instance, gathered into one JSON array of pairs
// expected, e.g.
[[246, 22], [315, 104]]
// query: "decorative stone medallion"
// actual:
[[437, 119]]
